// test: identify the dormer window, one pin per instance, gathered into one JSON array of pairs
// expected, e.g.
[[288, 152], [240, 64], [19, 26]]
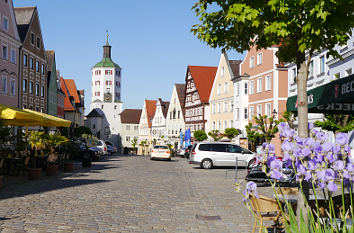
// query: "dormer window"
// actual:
[[38, 43]]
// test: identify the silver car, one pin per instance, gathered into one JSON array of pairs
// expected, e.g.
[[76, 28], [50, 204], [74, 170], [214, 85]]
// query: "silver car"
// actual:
[[213, 154]]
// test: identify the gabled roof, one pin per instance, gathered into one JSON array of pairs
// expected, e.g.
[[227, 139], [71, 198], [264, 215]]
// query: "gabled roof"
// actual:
[[50, 54], [67, 103], [23, 18], [180, 88], [164, 106], [203, 77], [130, 116], [96, 112], [150, 106], [235, 67], [71, 86]]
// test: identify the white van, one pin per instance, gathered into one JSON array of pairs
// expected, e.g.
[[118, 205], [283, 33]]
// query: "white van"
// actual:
[[213, 154]]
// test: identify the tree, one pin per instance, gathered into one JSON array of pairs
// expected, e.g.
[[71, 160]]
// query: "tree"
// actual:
[[298, 28], [134, 143], [200, 135], [337, 123], [231, 132], [215, 134], [82, 130]]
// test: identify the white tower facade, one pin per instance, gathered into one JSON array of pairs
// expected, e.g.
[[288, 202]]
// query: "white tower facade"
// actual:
[[106, 93]]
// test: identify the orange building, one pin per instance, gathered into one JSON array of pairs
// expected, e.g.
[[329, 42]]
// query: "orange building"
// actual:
[[268, 85]]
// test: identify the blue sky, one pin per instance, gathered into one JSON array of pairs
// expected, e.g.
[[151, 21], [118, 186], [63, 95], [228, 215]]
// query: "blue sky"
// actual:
[[151, 41]]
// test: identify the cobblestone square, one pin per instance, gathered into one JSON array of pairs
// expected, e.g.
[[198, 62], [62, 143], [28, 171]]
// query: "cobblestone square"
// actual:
[[127, 194]]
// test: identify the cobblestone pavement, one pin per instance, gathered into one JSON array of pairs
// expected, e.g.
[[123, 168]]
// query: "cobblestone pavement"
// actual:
[[127, 194]]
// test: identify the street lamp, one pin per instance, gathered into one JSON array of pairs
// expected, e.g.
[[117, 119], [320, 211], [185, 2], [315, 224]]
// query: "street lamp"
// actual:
[[274, 113]]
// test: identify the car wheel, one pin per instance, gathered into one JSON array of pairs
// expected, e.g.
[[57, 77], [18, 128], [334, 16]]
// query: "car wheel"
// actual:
[[207, 164], [151, 158]]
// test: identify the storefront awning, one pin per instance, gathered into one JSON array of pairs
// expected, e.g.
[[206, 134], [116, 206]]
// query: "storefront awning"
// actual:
[[49, 120], [336, 97]]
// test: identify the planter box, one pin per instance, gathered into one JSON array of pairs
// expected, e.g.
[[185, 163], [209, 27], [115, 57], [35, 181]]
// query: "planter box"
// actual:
[[51, 169], [68, 167], [34, 173]]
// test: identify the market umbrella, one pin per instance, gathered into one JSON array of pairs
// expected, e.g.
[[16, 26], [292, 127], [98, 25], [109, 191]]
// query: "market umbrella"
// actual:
[[18, 117], [51, 121]]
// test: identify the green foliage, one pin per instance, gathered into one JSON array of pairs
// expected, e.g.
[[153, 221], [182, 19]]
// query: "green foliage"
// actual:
[[289, 118], [89, 140], [134, 143], [82, 130], [200, 135], [297, 26], [154, 141], [215, 134], [231, 132], [337, 123]]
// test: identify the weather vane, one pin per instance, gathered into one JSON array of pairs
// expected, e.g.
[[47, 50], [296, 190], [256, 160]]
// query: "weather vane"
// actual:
[[107, 35]]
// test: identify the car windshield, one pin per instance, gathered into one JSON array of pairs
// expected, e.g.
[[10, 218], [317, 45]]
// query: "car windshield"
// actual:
[[99, 143], [160, 147]]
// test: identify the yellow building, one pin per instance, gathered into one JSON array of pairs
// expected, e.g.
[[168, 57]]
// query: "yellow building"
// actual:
[[222, 95]]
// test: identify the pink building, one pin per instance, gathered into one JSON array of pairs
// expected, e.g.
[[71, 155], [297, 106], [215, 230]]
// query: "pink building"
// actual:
[[9, 62], [268, 85]]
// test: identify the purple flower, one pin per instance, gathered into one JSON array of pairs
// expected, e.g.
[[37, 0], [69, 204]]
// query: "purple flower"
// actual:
[[287, 146], [251, 187], [310, 142], [276, 164], [275, 174], [311, 165], [350, 167], [307, 176], [327, 146], [322, 185], [306, 152], [321, 136], [271, 148], [282, 126], [336, 149], [329, 175], [332, 186], [330, 157], [310, 125], [338, 165], [342, 138], [321, 174]]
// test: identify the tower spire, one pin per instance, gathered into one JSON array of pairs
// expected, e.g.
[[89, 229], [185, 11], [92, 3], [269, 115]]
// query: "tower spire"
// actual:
[[107, 48]]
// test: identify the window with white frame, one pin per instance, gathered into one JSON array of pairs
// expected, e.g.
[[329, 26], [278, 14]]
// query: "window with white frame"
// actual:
[[231, 106], [37, 90], [31, 63], [127, 127], [5, 23], [5, 52], [225, 125], [252, 87], [251, 62], [311, 69], [219, 125], [226, 88], [4, 85], [259, 58], [231, 123], [245, 113], [222, 71], [226, 106], [42, 91], [31, 87], [13, 56], [259, 85], [293, 75], [219, 89], [219, 107], [127, 138], [37, 66], [246, 88], [214, 125], [237, 114], [268, 83], [251, 112], [259, 109], [237, 89], [322, 64], [25, 60], [214, 108], [268, 108]]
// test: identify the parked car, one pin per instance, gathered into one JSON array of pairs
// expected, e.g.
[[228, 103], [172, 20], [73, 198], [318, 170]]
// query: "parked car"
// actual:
[[111, 149], [180, 152], [103, 147], [256, 174], [160, 152], [95, 153], [213, 154]]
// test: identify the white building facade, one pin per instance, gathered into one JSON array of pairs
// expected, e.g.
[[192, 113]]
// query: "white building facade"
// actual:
[[106, 92], [175, 118], [158, 129]]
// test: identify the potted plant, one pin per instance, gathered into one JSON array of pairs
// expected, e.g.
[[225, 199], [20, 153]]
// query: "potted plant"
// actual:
[[53, 142], [37, 143]]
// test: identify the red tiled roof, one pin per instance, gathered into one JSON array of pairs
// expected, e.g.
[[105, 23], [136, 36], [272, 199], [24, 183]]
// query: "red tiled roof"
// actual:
[[150, 110], [67, 103], [71, 86], [130, 116], [203, 77]]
